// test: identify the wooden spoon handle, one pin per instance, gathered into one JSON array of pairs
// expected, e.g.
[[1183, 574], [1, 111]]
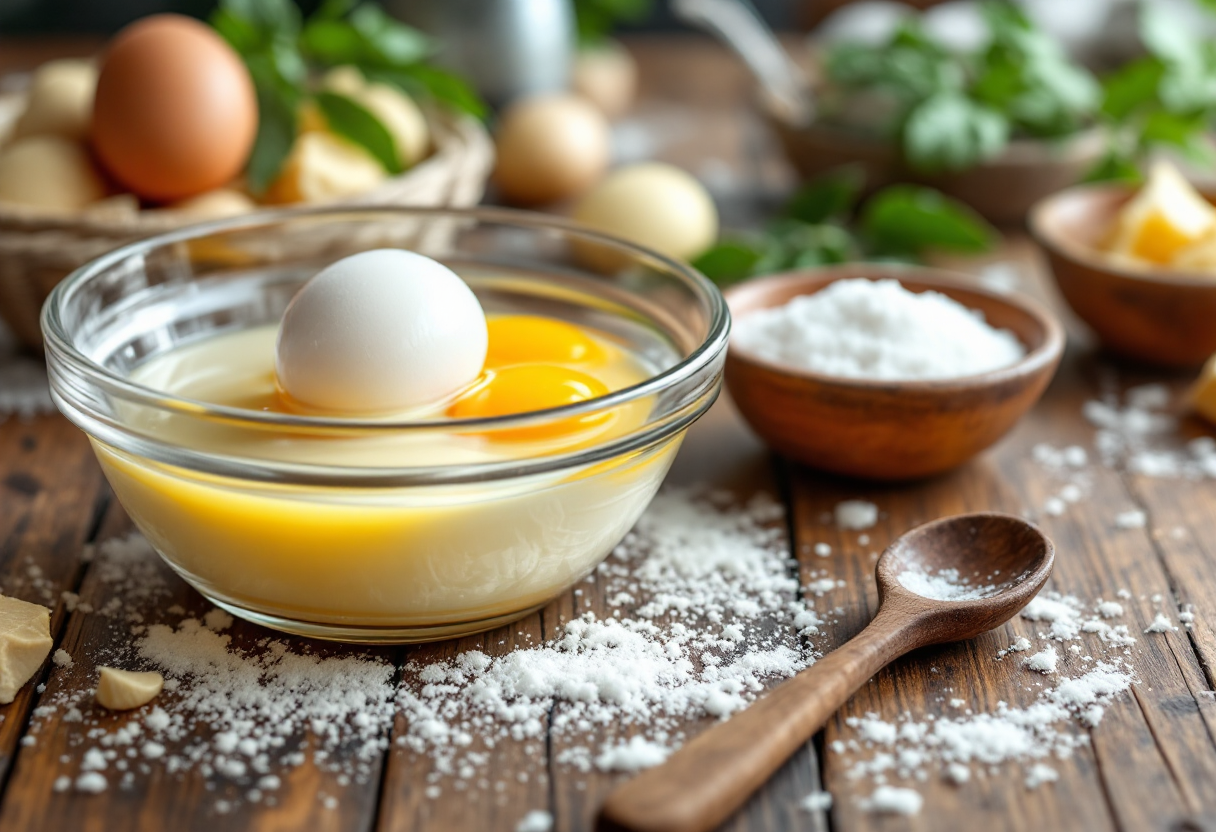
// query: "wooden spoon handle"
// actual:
[[704, 782]]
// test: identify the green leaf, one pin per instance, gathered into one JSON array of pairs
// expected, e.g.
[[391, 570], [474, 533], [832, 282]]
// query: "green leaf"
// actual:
[[729, 261], [1131, 87], [831, 195], [388, 42], [353, 121], [270, 17], [332, 42], [1115, 167], [425, 81], [1166, 36], [910, 219], [277, 130], [951, 132], [595, 19]]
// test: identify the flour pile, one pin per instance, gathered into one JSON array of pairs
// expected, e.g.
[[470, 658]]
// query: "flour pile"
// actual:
[[877, 329]]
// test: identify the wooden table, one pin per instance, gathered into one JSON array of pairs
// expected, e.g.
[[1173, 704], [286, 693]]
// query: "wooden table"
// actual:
[[1152, 761]]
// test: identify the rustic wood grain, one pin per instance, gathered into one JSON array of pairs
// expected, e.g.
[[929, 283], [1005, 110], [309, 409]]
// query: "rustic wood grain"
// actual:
[[156, 800], [50, 494]]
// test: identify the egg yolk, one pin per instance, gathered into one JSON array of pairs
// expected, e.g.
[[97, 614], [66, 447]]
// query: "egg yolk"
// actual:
[[527, 388], [531, 339]]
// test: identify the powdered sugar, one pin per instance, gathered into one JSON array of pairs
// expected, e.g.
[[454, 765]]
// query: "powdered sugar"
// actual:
[[944, 584], [878, 330]]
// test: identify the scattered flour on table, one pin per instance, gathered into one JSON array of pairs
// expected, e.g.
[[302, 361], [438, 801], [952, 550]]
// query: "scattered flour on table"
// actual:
[[24, 390], [892, 800], [535, 821], [856, 515], [816, 802], [701, 616], [876, 329], [1138, 431]]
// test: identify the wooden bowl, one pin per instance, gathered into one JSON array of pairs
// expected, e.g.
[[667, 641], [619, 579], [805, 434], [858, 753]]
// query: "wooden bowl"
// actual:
[[889, 430], [1151, 314], [1002, 190]]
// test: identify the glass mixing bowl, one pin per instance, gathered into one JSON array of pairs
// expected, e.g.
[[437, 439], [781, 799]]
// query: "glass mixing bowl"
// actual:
[[375, 550]]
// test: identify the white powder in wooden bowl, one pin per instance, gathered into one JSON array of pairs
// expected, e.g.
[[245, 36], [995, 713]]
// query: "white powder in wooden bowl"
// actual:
[[877, 329]]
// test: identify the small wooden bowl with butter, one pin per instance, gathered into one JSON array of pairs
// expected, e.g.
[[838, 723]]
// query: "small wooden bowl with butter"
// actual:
[[889, 429], [1155, 314]]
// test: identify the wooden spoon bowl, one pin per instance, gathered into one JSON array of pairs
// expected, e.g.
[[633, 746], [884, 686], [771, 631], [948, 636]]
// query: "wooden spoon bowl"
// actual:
[[704, 782], [1151, 314], [889, 430]]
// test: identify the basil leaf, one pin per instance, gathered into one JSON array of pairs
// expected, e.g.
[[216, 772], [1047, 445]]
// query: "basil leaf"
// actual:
[[909, 219], [1131, 87], [729, 261], [951, 132], [353, 121], [831, 195], [425, 81], [594, 19], [276, 134], [269, 17], [387, 42], [1167, 37], [332, 42]]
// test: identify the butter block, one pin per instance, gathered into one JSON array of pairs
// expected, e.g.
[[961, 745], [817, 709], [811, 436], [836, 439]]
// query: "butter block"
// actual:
[[122, 690], [1167, 217], [1203, 392], [25, 642]]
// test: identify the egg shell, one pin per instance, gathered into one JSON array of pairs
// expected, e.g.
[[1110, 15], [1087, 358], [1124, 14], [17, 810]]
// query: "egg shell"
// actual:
[[175, 113], [381, 331], [49, 172], [60, 100], [651, 204], [607, 76], [550, 147]]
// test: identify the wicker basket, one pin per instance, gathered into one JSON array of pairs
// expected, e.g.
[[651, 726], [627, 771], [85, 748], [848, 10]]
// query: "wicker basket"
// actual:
[[39, 248]]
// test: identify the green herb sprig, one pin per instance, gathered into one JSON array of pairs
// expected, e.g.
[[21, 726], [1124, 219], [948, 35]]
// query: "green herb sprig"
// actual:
[[1165, 98], [951, 110], [595, 19], [284, 53], [898, 223]]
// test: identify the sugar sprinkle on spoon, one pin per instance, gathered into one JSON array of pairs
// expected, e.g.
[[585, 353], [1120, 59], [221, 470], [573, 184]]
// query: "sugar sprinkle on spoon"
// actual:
[[709, 778]]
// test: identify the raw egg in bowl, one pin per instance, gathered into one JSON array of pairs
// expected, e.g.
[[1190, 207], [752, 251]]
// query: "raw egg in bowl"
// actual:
[[383, 425]]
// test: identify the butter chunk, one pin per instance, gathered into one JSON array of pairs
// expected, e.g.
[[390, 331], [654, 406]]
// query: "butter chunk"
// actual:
[[1203, 392], [25, 642], [121, 690]]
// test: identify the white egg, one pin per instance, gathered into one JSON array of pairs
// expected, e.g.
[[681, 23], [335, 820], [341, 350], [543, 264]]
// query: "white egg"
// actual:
[[380, 331]]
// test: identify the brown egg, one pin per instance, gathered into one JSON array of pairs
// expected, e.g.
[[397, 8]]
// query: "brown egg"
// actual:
[[175, 112], [550, 147]]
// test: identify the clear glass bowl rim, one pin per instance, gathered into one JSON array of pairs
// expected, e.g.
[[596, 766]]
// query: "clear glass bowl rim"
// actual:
[[60, 343]]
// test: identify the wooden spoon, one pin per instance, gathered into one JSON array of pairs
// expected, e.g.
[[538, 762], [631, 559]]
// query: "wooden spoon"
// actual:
[[709, 778]]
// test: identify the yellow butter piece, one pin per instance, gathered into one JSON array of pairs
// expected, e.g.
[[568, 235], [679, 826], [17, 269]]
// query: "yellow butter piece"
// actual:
[[121, 690], [1203, 392], [1166, 217], [25, 642]]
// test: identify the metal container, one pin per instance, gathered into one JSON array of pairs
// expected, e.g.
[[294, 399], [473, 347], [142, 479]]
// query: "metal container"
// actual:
[[506, 48]]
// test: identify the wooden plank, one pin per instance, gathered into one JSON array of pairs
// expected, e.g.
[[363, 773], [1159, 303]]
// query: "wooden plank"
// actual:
[[51, 491], [476, 802], [155, 799]]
